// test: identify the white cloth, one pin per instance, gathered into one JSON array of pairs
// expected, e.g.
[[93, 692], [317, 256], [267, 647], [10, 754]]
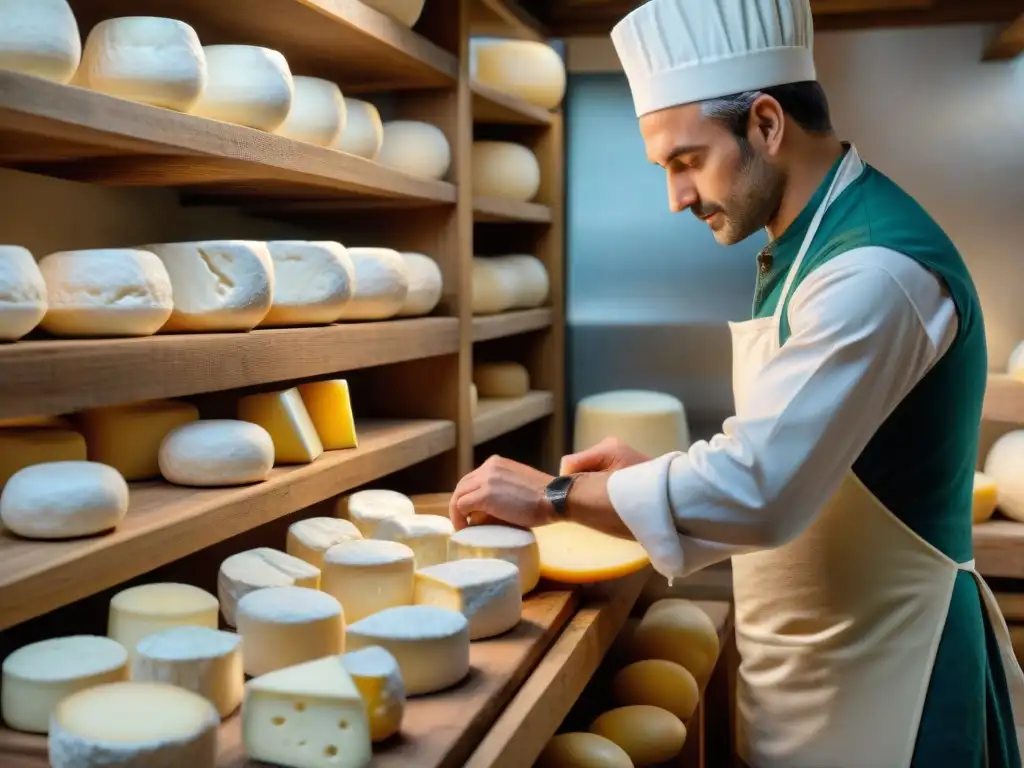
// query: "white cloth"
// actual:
[[677, 52], [865, 328]]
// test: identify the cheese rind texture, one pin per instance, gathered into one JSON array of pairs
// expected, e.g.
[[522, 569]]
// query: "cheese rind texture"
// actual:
[[430, 644], [505, 170], [111, 292], [317, 115], [425, 285], [679, 631], [310, 539], [22, 447], [147, 59], [329, 405], [216, 452], [575, 554], [137, 612], [657, 683], [313, 281], [530, 277], [494, 287], [133, 725], [514, 545], [22, 288], [985, 498], [379, 680], [285, 418], [649, 735], [381, 284], [415, 148], [484, 590], [259, 568], [432, 504], [37, 676], [246, 85], [582, 750], [405, 12], [39, 38], [367, 508], [426, 535], [364, 132], [504, 379], [367, 576], [653, 423], [529, 69], [1005, 465], [64, 500]]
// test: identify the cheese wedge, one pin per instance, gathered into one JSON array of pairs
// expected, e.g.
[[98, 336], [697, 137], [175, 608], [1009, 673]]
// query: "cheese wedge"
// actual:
[[575, 554]]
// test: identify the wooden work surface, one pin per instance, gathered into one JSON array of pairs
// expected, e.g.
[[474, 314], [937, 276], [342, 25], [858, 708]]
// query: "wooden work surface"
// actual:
[[498, 416]]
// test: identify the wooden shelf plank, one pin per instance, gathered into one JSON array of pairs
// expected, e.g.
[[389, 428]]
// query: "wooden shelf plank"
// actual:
[[486, 327], [495, 417], [73, 133], [167, 522], [495, 107], [999, 549], [504, 18], [345, 41], [494, 209], [1004, 399]]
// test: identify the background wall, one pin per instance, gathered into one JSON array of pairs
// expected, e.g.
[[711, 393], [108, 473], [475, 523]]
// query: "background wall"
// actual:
[[650, 292]]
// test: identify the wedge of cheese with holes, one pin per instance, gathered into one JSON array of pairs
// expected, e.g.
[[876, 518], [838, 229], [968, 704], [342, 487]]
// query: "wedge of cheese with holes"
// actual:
[[484, 590], [425, 285], [313, 281], [309, 715], [39, 38], [310, 539], [381, 285], [367, 576], [503, 379], [514, 545], [260, 568], [986, 497], [364, 132], [575, 554], [22, 288], [329, 405], [137, 612], [379, 680], [317, 115], [22, 447], [426, 535], [216, 452], [284, 416], [367, 508]]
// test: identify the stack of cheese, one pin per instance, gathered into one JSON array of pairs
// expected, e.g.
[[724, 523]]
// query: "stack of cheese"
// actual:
[[503, 283], [528, 69]]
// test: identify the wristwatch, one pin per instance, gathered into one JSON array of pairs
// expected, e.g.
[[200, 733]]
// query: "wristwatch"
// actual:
[[557, 493]]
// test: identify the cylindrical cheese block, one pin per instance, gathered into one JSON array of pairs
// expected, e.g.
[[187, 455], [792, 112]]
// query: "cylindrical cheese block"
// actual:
[[426, 535], [381, 284], [501, 542], [313, 281], [368, 507], [367, 576], [416, 148], [22, 288], [406, 12], [364, 132], [494, 287], [148, 59], [115, 292], [138, 612], [310, 539], [582, 750], [649, 735], [425, 285], [40, 38], [216, 452], [317, 115], [501, 379], [260, 568], [530, 277], [1005, 465], [505, 170], [247, 85], [529, 69], [653, 423]]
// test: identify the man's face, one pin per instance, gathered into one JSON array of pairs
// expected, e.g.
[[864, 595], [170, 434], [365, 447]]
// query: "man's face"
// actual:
[[732, 185]]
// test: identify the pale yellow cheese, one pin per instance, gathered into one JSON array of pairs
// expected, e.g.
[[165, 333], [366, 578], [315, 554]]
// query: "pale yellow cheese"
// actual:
[[1004, 464], [484, 590], [502, 379], [582, 750], [367, 576], [138, 612], [367, 508], [653, 423], [514, 545], [379, 680], [310, 539], [575, 554], [649, 735], [678, 630], [285, 417], [529, 69], [658, 683], [330, 409], [24, 446], [986, 497], [259, 568]]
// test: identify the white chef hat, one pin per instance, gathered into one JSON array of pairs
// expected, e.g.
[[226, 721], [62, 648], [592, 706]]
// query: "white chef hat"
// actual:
[[678, 52]]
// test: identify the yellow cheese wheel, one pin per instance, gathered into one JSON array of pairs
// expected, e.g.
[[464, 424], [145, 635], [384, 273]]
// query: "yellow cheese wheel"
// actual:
[[678, 630], [574, 554], [986, 496], [659, 683], [649, 735], [582, 750]]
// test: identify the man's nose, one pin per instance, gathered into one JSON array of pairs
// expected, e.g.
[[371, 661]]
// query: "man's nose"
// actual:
[[681, 195]]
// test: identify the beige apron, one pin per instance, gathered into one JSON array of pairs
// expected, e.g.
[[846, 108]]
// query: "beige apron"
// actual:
[[838, 629]]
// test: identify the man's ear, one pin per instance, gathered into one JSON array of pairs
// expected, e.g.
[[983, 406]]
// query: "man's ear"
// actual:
[[766, 125]]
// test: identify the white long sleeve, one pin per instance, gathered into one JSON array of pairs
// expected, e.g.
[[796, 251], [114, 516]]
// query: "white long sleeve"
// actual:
[[865, 328]]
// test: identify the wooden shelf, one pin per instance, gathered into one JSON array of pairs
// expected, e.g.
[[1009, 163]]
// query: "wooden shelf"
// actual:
[[496, 417], [167, 522], [494, 209], [37, 374], [503, 18], [342, 40], [73, 133], [493, 106], [486, 327], [1004, 399], [999, 549]]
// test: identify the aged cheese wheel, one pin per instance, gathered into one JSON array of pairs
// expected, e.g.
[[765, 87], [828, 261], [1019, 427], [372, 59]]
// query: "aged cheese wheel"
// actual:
[[494, 287], [505, 170], [425, 285], [381, 285], [416, 148], [986, 497], [678, 630], [529, 69], [247, 85], [313, 281], [216, 452], [575, 554], [364, 131], [658, 683], [650, 422], [505, 379], [531, 279], [649, 735], [40, 38], [22, 288], [582, 750], [317, 115], [405, 12], [1005, 465]]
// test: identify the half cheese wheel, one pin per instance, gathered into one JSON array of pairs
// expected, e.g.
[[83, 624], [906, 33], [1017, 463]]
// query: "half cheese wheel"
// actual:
[[574, 554]]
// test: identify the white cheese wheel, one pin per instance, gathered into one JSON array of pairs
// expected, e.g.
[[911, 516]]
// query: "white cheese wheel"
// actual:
[[381, 285], [657, 683], [985, 498], [40, 38], [582, 750], [1015, 365], [425, 285], [128, 724], [364, 132], [514, 545], [246, 85], [379, 680], [367, 508], [260, 568], [575, 554], [22, 288], [430, 644], [531, 279], [649, 735], [310, 539], [504, 379], [405, 12], [313, 281], [317, 115], [677, 630], [147, 59], [113, 292], [653, 423], [368, 575], [219, 285], [216, 452], [484, 590], [505, 170], [199, 659], [494, 287], [1005, 465], [64, 500], [37, 676], [529, 69], [416, 148], [426, 535], [137, 612], [282, 626]]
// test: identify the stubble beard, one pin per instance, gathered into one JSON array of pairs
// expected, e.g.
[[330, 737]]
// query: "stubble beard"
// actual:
[[755, 197]]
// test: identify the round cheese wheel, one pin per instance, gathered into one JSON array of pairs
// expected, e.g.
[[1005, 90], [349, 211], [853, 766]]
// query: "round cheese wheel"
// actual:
[[658, 683], [317, 115], [364, 132], [500, 542], [381, 284], [531, 279], [216, 452], [367, 508], [1015, 366], [649, 735], [582, 750], [650, 422], [369, 575], [494, 287], [22, 291], [406, 12], [40, 38], [313, 281], [116, 292], [147, 59], [1005, 465], [529, 69], [505, 170], [501, 379], [986, 498], [247, 85], [425, 285], [678, 630], [416, 148]]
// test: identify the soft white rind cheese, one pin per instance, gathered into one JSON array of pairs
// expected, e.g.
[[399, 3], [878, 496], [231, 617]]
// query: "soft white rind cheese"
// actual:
[[430, 644], [199, 659], [515, 545], [379, 680], [260, 568], [216, 452], [531, 279], [368, 575], [146, 59], [113, 292], [137, 612], [247, 85], [405, 12], [494, 287], [367, 508], [381, 284], [22, 290], [416, 148], [1005, 465], [37, 676], [529, 69], [364, 132], [484, 590], [504, 379], [310, 539], [653, 423], [426, 535], [317, 115], [505, 170], [131, 725], [64, 500], [425, 285], [313, 281], [39, 38]]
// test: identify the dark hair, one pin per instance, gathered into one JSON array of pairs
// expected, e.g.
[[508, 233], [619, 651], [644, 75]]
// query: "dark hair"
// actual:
[[805, 102]]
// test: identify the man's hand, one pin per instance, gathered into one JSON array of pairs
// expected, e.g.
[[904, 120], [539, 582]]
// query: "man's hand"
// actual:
[[607, 456], [501, 491]]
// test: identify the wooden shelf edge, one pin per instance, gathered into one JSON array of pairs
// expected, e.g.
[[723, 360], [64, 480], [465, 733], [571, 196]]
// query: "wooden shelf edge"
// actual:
[[496, 417], [504, 18], [492, 106], [496, 210], [487, 327], [166, 522], [1004, 399], [999, 549]]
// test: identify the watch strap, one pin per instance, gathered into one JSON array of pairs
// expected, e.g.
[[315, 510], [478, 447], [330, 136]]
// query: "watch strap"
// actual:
[[557, 493]]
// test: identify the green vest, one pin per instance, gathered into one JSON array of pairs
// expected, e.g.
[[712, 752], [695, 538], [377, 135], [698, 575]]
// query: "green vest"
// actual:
[[921, 461]]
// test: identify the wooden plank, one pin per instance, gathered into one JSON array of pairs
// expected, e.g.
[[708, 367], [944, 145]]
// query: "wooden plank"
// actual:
[[493, 106], [496, 417], [999, 549], [1004, 399], [494, 209], [167, 522], [487, 327], [505, 18], [1008, 44], [36, 374]]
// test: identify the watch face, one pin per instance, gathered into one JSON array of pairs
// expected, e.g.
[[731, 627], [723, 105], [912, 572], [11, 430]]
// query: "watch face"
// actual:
[[560, 483]]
